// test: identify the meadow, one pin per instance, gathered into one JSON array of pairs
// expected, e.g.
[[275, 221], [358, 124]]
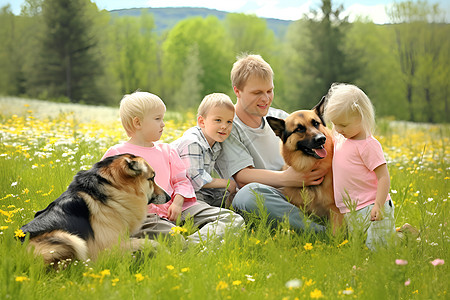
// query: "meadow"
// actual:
[[43, 145]]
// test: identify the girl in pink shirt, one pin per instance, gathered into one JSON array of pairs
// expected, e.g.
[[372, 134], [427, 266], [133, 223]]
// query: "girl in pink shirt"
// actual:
[[142, 117], [360, 175]]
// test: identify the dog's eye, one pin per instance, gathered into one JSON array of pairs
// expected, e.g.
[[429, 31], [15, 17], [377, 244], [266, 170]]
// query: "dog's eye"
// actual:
[[315, 123], [151, 178], [300, 128]]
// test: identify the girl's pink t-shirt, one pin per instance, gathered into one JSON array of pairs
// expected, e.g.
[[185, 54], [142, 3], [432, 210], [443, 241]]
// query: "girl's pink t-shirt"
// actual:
[[170, 172], [354, 162]]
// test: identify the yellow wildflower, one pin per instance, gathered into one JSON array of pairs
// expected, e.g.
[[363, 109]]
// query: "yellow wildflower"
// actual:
[[316, 294], [139, 277], [114, 281], [309, 282], [105, 272], [221, 285], [308, 246], [21, 278], [237, 282], [170, 267], [185, 270], [343, 243], [348, 291], [19, 233], [177, 230]]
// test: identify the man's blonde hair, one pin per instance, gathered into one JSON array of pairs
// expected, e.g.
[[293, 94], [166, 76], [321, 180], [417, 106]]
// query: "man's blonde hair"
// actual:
[[249, 64], [137, 105], [347, 100], [214, 100]]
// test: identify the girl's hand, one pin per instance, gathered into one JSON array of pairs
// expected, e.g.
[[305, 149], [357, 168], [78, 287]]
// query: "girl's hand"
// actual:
[[376, 214]]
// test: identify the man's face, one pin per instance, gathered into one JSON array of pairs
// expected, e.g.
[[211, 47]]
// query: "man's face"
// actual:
[[255, 98]]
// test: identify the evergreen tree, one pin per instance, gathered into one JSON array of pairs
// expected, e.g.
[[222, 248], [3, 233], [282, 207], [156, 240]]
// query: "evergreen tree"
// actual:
[[326, 57], [68, 64]]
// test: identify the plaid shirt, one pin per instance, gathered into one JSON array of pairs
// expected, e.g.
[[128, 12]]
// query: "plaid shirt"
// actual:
[[198, 157]]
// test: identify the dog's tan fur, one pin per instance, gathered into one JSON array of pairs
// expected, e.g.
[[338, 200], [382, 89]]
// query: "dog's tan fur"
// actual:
[[58, 245], [131, 185], [319, 199]]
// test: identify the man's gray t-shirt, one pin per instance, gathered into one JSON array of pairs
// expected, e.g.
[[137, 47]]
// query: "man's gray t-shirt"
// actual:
[[246, 146]]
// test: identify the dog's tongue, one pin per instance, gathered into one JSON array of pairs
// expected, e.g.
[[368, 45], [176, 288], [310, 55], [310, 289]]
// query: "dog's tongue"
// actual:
[[321, 152]]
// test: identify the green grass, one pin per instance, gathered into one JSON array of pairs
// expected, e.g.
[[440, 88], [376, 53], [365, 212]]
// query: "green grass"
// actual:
[[39, 155]]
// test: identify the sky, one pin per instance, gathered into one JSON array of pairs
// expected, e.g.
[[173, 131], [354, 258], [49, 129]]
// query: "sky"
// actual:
[[279, 9]]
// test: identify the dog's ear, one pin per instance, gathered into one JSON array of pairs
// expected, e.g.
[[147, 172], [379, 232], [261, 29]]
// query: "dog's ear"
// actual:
[[134, 166], [278, 126], [319, 109]]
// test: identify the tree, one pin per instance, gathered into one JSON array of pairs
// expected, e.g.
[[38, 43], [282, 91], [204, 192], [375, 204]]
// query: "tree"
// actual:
[[320, 55], [380, 77], [422, 49], [249, 34], [190, 91], [10, 69], [69, 64], [135, 53], [214, 53]]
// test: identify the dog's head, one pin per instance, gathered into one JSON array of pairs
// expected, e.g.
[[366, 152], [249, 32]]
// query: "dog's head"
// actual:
[[303, 131], [131, 173]]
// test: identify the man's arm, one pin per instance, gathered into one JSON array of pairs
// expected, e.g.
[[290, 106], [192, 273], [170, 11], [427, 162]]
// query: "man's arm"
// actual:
[[288, 177]]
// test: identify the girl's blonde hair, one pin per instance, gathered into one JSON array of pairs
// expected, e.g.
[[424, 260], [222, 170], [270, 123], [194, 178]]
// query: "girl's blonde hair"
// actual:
[[249, 64], [347, 100], [214, 100], [137, 104]]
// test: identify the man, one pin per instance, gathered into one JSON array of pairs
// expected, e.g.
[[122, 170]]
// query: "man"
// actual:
[[251, 154]]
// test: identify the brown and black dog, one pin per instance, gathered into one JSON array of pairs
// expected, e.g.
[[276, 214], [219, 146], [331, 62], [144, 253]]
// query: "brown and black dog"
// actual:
[[307, 145], [100, 207]]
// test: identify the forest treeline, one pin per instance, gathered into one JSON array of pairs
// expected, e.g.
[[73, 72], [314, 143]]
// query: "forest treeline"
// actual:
[[69, 50]]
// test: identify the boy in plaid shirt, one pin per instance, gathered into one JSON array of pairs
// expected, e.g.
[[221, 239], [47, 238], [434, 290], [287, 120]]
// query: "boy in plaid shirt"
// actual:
[[200, 146]]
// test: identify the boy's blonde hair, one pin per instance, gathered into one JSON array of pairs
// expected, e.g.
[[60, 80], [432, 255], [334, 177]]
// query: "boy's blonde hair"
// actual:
[[137, 104], [249, 64], [347, 100], [214, 100]]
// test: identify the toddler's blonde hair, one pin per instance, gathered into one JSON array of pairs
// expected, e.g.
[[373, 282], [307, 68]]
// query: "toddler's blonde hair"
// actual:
[[214, 100], [347, 100], [249, 64], [137, 105]]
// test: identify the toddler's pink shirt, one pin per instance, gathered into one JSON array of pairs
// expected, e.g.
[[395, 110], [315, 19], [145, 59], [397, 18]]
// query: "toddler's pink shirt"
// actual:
[[170, 172], [354, 162]]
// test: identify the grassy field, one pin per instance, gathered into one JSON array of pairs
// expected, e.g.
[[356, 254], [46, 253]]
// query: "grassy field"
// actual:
[[44, 145]]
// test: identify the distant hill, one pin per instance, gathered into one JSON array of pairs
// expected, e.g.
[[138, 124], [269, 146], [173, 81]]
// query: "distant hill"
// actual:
[[166, 18]]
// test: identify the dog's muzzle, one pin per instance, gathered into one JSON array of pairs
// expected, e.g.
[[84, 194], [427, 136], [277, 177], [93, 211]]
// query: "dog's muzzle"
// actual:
[[315, 147], [159, 198]]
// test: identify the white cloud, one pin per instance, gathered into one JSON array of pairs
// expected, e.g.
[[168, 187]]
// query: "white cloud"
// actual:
[[272, 9], [377, 13]]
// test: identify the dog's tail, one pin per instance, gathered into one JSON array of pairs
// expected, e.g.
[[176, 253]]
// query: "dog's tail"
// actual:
[[58, 246]]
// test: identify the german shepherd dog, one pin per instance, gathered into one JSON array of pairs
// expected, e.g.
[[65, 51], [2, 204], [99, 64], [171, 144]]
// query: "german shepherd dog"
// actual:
[[306, 145], [100, 207]]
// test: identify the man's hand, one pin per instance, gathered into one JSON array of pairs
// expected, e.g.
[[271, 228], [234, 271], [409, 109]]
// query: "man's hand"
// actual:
[[297, 179], [232, 187]]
